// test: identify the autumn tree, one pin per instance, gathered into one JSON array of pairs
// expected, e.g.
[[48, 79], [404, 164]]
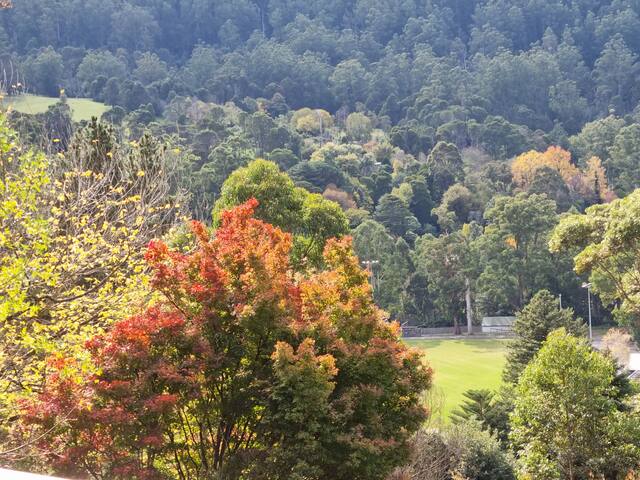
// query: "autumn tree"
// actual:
[[525, 166], [240, 369], [590, 183], [71, 262], [594, 184]]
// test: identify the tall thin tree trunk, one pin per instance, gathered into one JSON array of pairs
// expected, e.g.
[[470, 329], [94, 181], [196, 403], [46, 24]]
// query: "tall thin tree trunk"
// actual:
[[467, 298]]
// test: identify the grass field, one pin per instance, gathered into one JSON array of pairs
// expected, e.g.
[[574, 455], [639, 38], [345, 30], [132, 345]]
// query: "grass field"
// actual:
[[81, 108], [460, 365]]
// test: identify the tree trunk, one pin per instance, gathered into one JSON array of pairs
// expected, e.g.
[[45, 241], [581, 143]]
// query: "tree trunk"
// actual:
[[467, 298], [456, 326]]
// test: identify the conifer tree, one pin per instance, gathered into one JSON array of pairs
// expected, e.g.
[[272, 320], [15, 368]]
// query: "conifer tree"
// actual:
[[533, 323]]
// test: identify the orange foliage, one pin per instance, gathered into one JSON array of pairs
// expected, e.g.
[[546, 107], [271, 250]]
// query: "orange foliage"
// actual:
[[590, 183], [525, 166], [299, 357], [595, 180]]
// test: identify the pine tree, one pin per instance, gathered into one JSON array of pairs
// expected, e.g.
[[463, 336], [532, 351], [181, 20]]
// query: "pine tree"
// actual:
[[533, 323]]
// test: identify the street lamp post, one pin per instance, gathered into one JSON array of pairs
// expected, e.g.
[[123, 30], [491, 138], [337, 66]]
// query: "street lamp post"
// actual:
[[588, 287]]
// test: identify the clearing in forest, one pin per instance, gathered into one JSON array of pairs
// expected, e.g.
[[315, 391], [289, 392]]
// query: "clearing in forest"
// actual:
[[81, 108], [460, 365]]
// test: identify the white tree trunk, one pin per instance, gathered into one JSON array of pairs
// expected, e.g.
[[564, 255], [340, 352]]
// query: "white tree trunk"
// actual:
[[467, 298]]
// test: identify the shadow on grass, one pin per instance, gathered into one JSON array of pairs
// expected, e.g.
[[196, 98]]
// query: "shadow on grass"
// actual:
[[476, 343]]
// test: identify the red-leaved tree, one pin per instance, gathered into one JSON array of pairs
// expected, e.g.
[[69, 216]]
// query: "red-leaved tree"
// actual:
[[243, 370]]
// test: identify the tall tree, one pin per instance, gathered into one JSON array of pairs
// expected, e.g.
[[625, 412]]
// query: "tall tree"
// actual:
[[311, 218], [444, 168], [45, 72], [445, 261], [533, 323], [606, 237], [457, 205], [348, 83], [565, 423], [514, 250], [391, 265], [241, 369], [622, 162], [616, 72], [394, 214], [596, 138]]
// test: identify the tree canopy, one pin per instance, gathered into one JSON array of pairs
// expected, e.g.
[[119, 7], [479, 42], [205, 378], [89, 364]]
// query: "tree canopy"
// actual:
[[566, 423], [240, 367]]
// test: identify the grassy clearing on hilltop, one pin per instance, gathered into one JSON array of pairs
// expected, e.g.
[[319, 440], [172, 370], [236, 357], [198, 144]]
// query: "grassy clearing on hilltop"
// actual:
[[460, 365], [81, 108]]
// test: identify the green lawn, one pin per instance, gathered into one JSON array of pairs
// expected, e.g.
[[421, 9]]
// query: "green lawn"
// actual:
[[460, 365], [81, 108]]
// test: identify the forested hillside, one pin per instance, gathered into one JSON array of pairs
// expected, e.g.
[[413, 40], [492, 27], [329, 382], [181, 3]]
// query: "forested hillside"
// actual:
[[408, 113], [209, 281], [434, 66]]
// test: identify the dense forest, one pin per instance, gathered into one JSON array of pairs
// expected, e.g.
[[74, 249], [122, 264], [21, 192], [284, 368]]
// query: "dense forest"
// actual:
[[406, 113], [345, 163]]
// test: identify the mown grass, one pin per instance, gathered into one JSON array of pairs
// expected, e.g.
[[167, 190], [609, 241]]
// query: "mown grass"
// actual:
[[460, 365], [81, 108]]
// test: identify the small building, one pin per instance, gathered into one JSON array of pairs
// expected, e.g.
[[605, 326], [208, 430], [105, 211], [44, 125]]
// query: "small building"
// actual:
[[634, 365], [498, 325]]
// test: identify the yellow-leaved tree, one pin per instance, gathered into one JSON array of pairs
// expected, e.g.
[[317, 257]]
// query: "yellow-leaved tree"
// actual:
[[591, 182], [73, 228], [524, 167]]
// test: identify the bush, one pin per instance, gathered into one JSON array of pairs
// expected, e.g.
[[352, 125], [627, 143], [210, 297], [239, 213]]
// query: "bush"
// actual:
[[458, 452]]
